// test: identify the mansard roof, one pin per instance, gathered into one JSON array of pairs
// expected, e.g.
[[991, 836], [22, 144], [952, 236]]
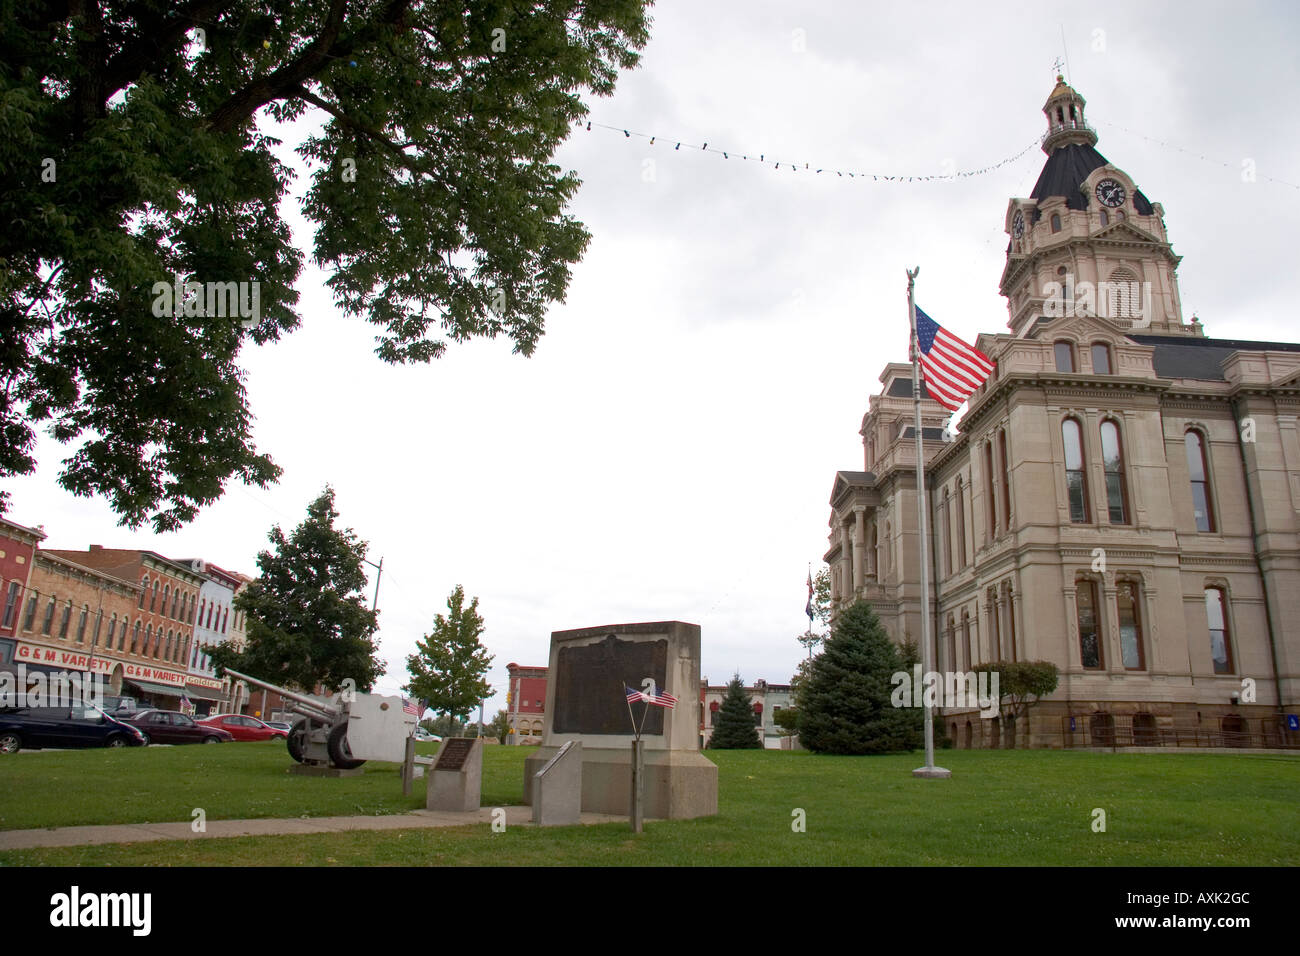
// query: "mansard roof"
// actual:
[[1201, 358], [1065, 171]]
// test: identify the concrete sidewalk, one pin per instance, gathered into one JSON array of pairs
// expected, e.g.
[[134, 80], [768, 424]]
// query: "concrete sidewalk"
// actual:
[[150, 832]]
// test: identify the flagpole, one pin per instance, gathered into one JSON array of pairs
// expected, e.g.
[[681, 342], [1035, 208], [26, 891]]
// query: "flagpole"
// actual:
[[929, 770]]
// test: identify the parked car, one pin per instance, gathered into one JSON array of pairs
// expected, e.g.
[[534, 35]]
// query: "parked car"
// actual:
[[32, 728], [284, 725], [173, 727], [244, 728], [423, 735]]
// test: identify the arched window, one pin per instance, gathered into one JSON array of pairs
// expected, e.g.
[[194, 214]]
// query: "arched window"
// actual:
[[65, 619], [144, 590], [1056, 222], [1089, 625], [99, 621], [153, 601], [176, 602], [1006, 479], [49, 616], [135, 637], [225, 619], [945, 536], [1064, 352], [112, 632], [167, 648], [203, 609], [148, 640], [1216, 614], [952, 644], [1100, 358], [29, 618], [1105, 218], [960, 505], [1112, 458], [211, 607], [1198, 469], [1130, 626], [1120, 296], [167, 593], [992, 506], [1076, 484], [81, 623]]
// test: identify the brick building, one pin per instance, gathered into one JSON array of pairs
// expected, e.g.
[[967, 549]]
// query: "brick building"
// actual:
[[525, 703], [18, 545]]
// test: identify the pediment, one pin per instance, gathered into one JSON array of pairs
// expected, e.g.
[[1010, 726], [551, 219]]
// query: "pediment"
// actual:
[[1123, 230], [1080, 328]]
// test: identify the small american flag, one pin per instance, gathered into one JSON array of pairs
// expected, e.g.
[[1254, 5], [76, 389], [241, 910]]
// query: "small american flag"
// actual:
[[410, 706], [952, 369], [657, 698]]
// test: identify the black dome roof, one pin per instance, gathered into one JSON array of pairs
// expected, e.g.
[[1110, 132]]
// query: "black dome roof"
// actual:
[[1067, 168]]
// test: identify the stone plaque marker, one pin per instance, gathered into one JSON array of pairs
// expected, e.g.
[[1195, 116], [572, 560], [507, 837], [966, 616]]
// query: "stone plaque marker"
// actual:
[[557, 788], [586, 702], [455, 751], [455, 781]]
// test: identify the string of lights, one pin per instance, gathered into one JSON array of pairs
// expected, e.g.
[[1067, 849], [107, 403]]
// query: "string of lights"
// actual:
[[1192, 152], [761, 158]]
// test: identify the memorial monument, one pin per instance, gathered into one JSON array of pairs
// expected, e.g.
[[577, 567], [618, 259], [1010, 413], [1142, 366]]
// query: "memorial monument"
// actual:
[[586, 701]]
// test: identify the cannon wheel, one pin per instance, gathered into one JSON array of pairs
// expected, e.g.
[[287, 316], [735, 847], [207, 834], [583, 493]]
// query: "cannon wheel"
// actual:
[[337, 745], [297, 740]]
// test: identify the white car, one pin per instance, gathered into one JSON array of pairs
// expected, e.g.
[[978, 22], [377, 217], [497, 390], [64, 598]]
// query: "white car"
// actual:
[[424, 736]]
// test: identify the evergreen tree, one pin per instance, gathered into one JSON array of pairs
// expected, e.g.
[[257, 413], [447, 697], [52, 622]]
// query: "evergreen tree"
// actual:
[[308, 620], [845, 706], [448, 666], [734, 728]]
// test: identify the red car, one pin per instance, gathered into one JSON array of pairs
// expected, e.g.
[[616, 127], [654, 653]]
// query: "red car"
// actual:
[[243, 728], [173, 727]]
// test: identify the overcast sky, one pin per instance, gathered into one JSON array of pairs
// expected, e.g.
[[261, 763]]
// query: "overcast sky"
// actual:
[[669, 450]]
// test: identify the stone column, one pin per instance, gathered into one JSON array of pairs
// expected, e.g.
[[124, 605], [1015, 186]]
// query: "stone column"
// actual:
[[847, 556]]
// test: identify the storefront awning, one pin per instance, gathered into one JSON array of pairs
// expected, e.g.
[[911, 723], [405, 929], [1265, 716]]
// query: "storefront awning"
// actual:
[[204, 693], [149, 687]]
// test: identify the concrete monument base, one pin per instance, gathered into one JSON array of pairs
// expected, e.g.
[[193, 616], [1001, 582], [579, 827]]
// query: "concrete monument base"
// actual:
[[679, 784], [321, 770], [932, 773]]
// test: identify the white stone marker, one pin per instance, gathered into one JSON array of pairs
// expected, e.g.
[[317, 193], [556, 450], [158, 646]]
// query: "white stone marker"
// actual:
[[557, 788], [455, 782]]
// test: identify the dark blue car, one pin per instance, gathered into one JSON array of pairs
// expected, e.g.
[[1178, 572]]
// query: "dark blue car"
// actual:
[[32, 728]]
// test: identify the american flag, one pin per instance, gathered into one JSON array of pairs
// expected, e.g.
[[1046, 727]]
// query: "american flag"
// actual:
[[411, 706], [658, 698], [808, 608], [952, 369]]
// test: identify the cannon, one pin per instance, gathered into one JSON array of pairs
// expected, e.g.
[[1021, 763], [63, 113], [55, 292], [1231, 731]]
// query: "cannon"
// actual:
[[346, 730]]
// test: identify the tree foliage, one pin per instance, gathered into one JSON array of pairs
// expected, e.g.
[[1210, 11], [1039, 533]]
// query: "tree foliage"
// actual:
[[1022, 684], [308, 619], [845, 706], [138, 146], [734, 727], [448, 666]]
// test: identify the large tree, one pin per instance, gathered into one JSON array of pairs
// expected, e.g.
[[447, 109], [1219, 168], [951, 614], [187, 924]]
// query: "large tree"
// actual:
[[845, 706], [308, 622], [137, 148], [448, 665]]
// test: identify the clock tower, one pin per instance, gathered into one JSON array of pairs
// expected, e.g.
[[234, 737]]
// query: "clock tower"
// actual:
[[1086, 241]]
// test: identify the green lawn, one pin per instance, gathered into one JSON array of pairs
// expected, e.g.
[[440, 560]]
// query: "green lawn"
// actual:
[[1000, 808]]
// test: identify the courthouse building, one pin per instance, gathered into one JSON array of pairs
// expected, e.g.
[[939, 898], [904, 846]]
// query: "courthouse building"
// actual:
[[1122, 498]]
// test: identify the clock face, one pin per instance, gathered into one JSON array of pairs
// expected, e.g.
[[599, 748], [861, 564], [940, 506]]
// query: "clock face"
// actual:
[[1018, 225], [1110, 193]]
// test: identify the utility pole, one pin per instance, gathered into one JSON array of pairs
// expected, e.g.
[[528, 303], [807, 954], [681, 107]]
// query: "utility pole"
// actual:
[[374, 606]]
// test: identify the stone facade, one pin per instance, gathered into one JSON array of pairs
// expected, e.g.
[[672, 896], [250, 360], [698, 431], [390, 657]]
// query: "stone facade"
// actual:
[[1122, 498]]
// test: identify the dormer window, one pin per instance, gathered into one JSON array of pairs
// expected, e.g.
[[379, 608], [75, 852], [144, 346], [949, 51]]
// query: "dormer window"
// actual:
[[1064, 356], [1105, 218], [1056, 222]]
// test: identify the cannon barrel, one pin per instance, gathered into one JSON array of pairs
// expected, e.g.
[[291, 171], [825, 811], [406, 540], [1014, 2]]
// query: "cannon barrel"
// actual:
[[333, 712]]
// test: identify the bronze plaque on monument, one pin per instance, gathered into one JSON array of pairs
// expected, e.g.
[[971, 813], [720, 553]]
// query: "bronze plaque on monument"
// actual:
[[591, 681], [454, 753]]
